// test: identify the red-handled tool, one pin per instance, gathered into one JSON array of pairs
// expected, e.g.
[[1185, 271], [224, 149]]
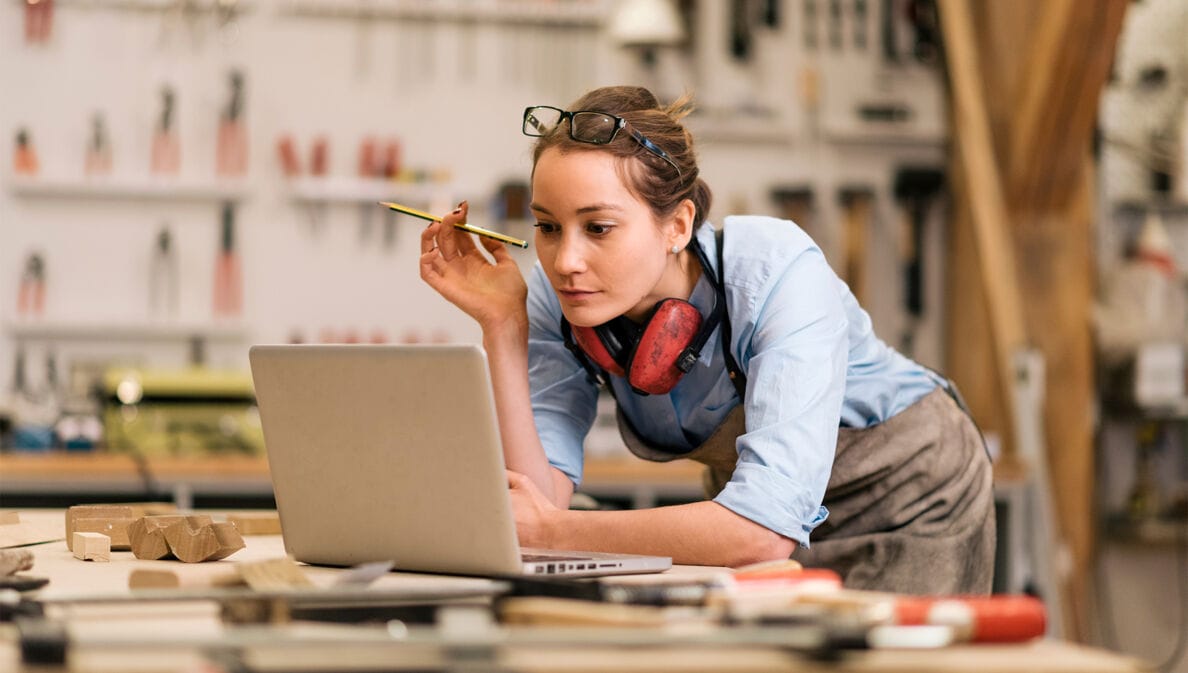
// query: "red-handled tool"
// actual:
[[979, 619]]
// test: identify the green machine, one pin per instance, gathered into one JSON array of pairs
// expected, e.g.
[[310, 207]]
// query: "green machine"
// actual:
[[184, 412]]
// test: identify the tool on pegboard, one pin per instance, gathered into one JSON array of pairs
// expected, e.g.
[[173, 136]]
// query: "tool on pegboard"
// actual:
[[857, 203], [166, 149], [98, 156], [915, 188], [39, 20], [228, 278], [231, 152], [31, 291], [24, 157], [796, 203], [164, 277]]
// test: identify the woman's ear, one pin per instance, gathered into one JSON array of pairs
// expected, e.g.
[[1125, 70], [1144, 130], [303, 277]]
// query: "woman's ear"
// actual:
[[681, 224]]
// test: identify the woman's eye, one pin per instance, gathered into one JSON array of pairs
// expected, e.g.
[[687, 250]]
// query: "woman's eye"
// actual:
[[598, 229], [547, 227]]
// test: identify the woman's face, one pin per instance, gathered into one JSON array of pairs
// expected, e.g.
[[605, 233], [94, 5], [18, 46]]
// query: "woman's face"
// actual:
[[600, 246]]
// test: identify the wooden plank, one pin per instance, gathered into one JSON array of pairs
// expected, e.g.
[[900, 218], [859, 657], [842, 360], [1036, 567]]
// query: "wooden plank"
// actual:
[[1058, 270], [1092, 64], [1040, 102], [975, 160], [969, 347], [1005, 33]]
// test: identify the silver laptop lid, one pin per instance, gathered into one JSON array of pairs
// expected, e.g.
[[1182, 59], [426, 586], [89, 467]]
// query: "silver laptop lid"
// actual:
[[386, 453]]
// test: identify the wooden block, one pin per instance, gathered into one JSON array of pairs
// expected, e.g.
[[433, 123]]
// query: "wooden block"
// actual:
[[116, 529], [91, 546], [111, 520], [196, 539], [9, 517], [146, 535], [230, 541], [265, 575], [190, 578], [256, 523], [191, 543], [273, 574]]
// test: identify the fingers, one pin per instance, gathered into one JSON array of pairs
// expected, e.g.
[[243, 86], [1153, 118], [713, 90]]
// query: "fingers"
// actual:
[[453, 242], [429, 238], [497, 249]]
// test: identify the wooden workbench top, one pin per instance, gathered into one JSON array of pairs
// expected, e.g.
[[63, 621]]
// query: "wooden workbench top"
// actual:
[[73, 578], [100, 465]]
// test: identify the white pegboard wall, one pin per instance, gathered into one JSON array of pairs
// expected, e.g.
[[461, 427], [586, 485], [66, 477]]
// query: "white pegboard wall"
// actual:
[[451, 91]]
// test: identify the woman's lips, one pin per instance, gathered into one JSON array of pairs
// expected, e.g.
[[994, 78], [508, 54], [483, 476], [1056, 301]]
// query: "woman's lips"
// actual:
[[576, 295]]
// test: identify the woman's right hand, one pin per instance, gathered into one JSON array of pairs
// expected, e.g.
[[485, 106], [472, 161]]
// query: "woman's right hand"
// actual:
[[491, 293]]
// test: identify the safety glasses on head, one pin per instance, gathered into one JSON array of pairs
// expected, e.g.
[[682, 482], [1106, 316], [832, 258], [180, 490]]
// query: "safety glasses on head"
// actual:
[[587, 126]]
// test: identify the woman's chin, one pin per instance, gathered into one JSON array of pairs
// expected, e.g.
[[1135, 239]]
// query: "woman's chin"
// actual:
[[583, 316]]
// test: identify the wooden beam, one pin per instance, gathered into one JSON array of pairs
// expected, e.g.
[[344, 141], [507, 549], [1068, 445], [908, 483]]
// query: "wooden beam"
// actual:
[[1068, 62], [979, 172]]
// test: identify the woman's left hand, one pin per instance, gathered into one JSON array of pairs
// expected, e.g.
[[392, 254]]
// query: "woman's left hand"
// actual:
[[534, 512]]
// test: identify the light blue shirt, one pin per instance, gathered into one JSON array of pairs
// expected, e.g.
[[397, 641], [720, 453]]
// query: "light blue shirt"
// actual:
[[812, 362]]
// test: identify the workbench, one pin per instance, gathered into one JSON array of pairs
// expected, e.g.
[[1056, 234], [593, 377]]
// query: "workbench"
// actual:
[[139, 635], [187, 481]]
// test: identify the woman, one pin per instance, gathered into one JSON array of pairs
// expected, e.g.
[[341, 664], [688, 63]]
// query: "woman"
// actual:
[[740, 349]]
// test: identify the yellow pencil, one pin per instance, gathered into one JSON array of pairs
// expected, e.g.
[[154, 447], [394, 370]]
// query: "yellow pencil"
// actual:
[[460, 225]]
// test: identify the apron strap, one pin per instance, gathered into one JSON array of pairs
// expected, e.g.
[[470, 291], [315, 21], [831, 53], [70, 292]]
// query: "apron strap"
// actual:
[[737, 377]]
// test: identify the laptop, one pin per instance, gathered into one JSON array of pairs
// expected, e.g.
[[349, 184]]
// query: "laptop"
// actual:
[[392, 453]]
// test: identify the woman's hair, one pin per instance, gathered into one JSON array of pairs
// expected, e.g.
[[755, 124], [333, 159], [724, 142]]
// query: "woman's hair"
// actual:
[[649, 177]]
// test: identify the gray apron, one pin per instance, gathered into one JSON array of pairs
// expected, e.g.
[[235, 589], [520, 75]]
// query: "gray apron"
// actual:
[[911, 504]]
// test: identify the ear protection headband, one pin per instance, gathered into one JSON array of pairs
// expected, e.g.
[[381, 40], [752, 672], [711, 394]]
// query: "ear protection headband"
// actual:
[[653, 356]]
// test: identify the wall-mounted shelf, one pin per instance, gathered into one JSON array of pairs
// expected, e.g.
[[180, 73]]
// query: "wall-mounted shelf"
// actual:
[[742, 130], [567, 13], [360, 191], [124, 330], [1161, 530], [1176, 210], [158, 5], [155, 189], [880, 133]]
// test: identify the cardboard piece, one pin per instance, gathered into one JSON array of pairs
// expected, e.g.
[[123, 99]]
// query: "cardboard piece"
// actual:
[[91, 546], [17, 533]]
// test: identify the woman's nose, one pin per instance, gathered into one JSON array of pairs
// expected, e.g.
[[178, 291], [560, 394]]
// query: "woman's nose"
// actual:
[[571, 257]]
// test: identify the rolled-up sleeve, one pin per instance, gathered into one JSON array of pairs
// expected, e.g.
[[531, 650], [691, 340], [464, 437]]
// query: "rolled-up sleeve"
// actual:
[[564, 401], [795, 356]]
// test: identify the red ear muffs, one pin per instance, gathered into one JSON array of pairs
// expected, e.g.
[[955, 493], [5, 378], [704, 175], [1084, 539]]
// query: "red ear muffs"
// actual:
[[591, 343], [658, 360], [652, 358]]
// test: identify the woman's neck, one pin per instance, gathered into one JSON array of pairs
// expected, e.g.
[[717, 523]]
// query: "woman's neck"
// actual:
[[678, 281]]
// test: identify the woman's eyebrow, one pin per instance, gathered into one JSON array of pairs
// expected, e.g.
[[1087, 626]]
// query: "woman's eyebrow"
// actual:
[[592, 208]]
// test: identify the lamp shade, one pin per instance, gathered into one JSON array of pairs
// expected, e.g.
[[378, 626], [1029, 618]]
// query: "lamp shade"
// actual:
[[646, 23]]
